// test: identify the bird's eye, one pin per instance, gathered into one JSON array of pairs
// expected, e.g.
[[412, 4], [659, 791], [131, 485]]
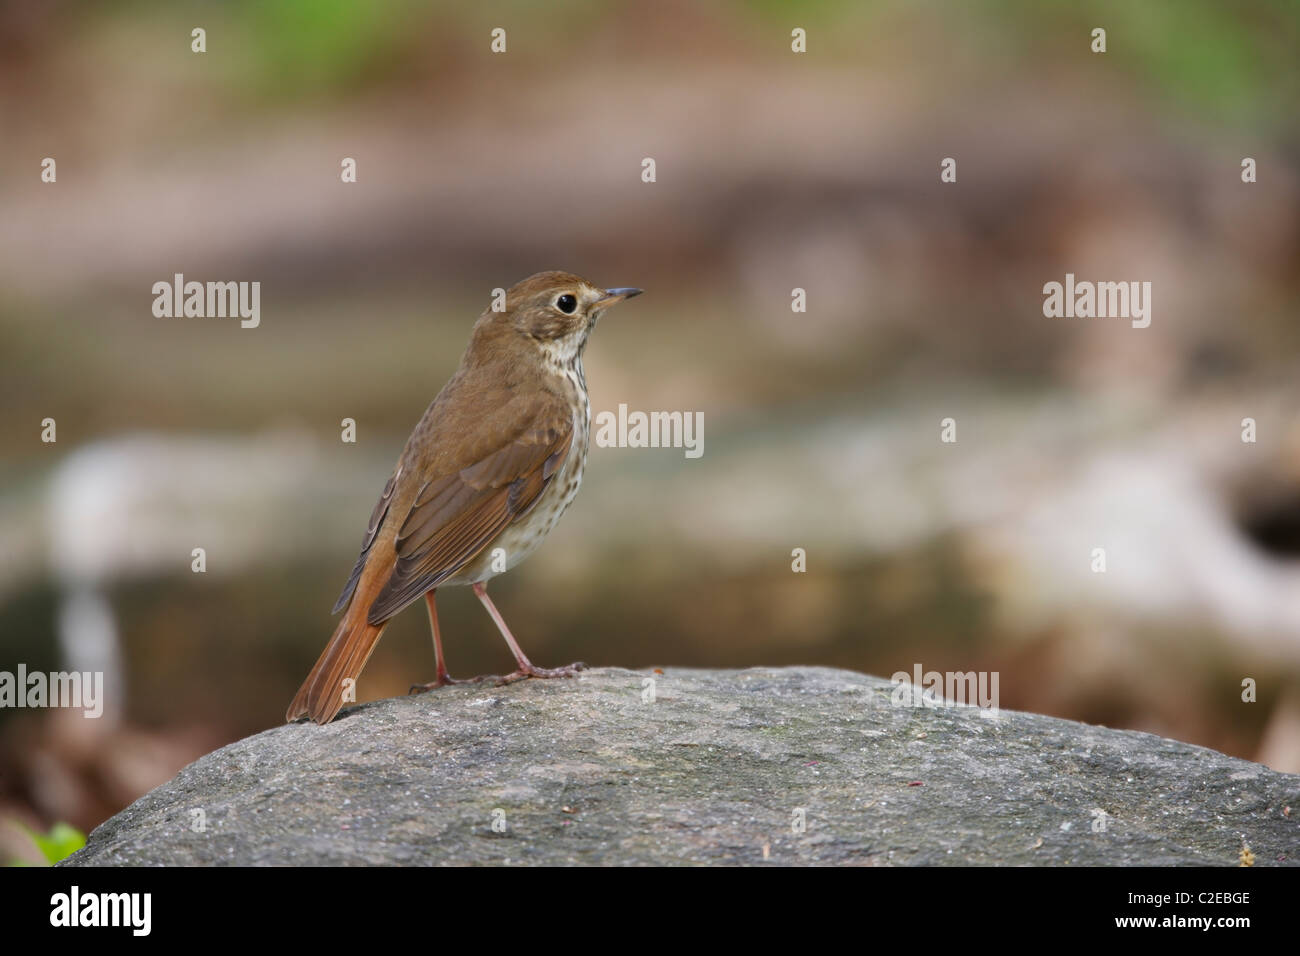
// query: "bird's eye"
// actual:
[[566, 303]]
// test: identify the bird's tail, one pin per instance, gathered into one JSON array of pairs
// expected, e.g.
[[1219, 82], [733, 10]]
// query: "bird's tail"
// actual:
[[334, 677]]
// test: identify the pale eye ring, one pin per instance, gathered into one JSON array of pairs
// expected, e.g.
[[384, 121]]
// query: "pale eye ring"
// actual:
[[567, 303]]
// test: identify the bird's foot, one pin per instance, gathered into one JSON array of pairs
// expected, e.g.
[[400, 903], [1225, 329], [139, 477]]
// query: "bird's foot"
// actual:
[[442, 681], [570, 670]]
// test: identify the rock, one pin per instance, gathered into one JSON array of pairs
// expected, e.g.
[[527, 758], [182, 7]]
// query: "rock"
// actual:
[[718, 767]]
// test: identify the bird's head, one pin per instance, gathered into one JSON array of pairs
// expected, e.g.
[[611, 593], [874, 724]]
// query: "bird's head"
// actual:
[[556, 311]]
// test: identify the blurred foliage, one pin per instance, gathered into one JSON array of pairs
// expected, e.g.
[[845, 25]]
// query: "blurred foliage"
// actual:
[[1235, 60], [61, 842], [297, 47]]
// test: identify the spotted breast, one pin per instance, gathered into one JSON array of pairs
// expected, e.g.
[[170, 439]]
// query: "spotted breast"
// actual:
[[523, 535]]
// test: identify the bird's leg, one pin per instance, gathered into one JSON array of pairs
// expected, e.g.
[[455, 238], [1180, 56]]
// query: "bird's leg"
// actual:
[[443, 678], [526, 668]]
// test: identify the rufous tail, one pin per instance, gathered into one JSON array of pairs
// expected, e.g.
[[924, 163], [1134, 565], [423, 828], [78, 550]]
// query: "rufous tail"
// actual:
[[335, 675]]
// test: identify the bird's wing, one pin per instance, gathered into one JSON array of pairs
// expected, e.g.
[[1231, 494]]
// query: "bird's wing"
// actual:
[[372, 529], [455, 515]]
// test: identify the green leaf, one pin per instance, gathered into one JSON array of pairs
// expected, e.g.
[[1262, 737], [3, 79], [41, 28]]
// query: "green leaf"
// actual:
[[61, 842]]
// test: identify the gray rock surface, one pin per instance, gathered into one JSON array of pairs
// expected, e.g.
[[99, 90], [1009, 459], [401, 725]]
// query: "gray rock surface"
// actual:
[[718, 768]]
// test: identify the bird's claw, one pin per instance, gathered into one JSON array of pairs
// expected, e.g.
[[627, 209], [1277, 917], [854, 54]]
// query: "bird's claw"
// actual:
[[569, 670]]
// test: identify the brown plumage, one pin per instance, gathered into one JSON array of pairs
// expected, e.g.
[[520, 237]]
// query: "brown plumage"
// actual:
[[493, 463]]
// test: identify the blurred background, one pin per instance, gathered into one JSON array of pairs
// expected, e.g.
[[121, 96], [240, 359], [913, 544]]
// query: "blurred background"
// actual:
[[775, 170]]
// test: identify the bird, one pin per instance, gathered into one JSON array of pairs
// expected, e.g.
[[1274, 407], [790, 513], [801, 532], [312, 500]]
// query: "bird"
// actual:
[[484, 476]]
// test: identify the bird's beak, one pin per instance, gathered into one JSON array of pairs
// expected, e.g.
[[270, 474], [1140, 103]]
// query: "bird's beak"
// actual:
[[615, 296]]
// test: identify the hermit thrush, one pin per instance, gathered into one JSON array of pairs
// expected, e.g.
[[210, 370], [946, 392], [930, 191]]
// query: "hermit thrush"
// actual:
[[487, 472]]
